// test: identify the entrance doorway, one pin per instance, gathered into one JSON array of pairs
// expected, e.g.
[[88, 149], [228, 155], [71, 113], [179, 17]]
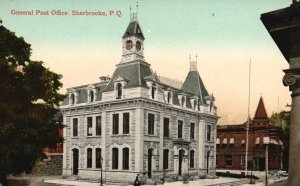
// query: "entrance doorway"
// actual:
[[181, 154], [207, 161], [75, 161], [150, 154], [261, 164]]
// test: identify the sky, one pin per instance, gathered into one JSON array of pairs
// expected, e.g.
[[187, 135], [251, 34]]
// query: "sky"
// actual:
[[225, 34]]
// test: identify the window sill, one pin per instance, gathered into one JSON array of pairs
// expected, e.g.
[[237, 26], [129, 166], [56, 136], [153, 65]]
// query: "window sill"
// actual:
[[120, 170], [120, 135], [93, 136], [151, 135]]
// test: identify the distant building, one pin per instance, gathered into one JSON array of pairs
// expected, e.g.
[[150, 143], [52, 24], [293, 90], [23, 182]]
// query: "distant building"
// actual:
[[139, 123], [231, 144], [57, 149]]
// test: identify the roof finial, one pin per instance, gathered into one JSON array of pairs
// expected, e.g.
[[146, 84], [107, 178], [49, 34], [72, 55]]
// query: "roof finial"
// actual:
[[137, 9], [196, 57], [193, 64], [190, 58], [130, 9], [134, 15]]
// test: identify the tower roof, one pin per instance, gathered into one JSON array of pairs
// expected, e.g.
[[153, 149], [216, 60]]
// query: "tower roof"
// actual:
[[261, 112], [193, 84], [134, 29]]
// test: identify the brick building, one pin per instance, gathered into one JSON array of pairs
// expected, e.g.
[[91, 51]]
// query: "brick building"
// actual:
[[138, 122], [231, 143]]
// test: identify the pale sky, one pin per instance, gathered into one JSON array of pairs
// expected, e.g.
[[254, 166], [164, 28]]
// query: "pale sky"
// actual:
[[225, 34]]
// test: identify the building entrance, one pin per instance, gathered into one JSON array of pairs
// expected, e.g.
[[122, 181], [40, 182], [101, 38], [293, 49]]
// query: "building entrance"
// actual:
[[75, 161], [150, 154]]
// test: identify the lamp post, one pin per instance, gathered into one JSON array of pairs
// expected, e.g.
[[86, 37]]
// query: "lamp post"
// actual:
[[266, 142], [101, 162]]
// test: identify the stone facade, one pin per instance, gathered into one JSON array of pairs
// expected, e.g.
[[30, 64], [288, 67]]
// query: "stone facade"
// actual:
[[148, 127]]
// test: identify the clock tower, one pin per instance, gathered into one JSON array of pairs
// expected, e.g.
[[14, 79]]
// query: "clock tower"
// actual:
[[133, 41]]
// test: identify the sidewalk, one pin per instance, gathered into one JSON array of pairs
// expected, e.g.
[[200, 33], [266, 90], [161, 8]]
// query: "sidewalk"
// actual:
[[270, 182], [200, 182]]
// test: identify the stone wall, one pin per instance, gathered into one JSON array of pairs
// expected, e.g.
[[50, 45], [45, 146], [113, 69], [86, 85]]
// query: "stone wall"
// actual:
[[50, 166]]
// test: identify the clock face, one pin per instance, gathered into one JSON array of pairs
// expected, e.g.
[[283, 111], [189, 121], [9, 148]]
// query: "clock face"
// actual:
[[138, 46], [129, 44]]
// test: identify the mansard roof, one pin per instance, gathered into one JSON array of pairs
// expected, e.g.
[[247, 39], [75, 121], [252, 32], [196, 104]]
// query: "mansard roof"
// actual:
[[83, 93], [134, 29], [134, 72], [193, 84], [261, 112]]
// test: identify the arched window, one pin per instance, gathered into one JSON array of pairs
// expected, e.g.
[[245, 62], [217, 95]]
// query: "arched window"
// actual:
[[153, 89], [231, 141], [218, 141], [192, 159], [115, 158], [183, 101], [91, 96], [72, 99], [224, 141], [169, 97], [126, 159], [119, 90]]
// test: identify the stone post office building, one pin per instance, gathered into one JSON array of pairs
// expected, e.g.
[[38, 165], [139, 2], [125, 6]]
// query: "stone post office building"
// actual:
[[137, 122]]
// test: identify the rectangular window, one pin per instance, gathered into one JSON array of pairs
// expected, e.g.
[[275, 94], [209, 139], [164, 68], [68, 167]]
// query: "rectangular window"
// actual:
[[208, 133], [228, 159], [98, 158], [125, 123], [89, 125], [166, 159], [89, 158], [126, 159], [75, 126], [166, 127], [98, 126], [115, 158], [151, 124], [192, 131], [180, 126], [243, 160], [115, 129]]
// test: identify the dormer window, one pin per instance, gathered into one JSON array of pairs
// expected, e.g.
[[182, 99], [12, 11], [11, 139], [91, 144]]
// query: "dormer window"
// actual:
[[72, 96], [91, 91], [119, 90], [153, 90], [120, 84], [195, 104], [169, 97], [91, 96], [183, 101], [72, 99]]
